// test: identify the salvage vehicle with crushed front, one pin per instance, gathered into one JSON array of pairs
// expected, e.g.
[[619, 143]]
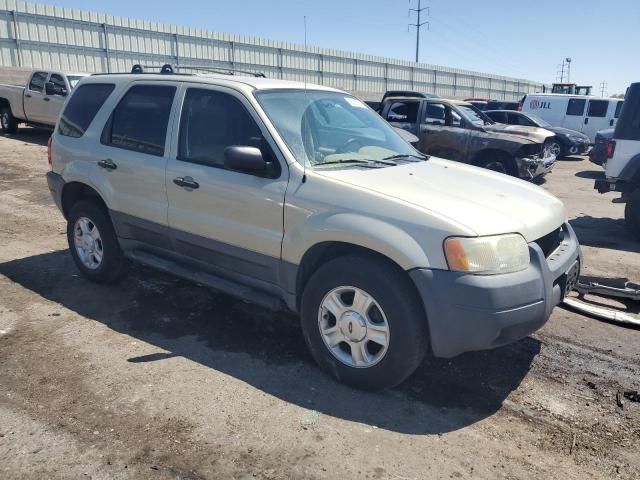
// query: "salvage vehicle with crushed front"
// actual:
[[300, 197], [459, 131]]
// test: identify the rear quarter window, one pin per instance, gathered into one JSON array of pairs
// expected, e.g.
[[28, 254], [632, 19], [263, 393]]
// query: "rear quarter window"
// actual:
[[82, 108]]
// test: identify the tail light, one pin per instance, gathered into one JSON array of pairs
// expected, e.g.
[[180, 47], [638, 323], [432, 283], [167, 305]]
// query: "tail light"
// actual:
[[611, 148], [49, 151]]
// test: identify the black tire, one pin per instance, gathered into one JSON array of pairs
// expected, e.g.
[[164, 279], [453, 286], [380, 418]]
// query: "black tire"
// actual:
[[114, 265], [8, 123], [499, 162], [394, 292], [632, 213]]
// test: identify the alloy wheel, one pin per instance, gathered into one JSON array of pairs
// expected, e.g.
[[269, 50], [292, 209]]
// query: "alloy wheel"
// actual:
[[88, 243], [354, 327]]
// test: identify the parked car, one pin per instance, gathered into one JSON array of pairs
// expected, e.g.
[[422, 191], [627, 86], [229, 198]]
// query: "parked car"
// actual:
[[622, 166], [582, 113], [300, 197], [600, 151], [407, 93], [563, 143], [39, 103], [458, 131], [483, 104]]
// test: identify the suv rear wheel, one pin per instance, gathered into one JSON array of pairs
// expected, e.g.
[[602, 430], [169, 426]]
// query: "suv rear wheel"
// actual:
[[632, 213], [363, 322], [8, 123], [93, 243]]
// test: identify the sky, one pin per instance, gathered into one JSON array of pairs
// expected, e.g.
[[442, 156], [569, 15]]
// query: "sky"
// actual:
[[516, 38]]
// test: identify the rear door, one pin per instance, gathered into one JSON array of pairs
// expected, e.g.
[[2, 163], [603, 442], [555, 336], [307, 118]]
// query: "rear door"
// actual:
[[230, 220], [35, 101], [442, 132], [129, 163], [597, 118], [574, 118]]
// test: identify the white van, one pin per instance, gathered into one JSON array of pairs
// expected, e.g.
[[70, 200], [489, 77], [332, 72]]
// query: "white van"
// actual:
[[582, 113]]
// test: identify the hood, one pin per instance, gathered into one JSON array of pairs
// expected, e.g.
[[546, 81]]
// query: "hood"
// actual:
[[534, 133], [483, 201], [567, 131]]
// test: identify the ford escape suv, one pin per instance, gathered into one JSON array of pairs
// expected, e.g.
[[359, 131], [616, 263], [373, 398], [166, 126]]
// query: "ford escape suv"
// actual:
[[301, 197]]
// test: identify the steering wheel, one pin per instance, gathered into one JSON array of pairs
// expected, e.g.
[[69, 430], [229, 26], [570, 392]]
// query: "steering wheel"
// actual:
[[352, 145]]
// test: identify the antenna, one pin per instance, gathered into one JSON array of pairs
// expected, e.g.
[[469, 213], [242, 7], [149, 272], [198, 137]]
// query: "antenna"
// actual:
[[306, 57]]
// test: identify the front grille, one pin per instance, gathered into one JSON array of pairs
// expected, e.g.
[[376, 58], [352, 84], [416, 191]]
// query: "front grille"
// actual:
[[550, 242]]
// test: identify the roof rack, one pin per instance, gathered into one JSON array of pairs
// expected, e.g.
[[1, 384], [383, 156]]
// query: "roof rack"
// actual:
[[169, 69], [222, 71]]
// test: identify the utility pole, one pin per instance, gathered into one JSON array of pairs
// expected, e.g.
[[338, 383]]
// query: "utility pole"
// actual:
[[568, 60], [418, 25], [561, 67], [603, 88]]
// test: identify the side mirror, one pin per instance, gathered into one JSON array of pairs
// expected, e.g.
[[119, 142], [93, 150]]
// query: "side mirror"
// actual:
[[245, 159], [51, 88]]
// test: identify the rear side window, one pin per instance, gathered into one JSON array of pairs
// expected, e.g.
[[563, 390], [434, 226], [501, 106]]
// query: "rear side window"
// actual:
[[499, 117], [576, 106], [403, 112], [82, 108], [598, 108], [618, 108], [37, 81], [140, 120]]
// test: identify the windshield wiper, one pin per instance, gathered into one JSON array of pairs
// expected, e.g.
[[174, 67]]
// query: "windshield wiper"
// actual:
[[366, 163], [406, 155]]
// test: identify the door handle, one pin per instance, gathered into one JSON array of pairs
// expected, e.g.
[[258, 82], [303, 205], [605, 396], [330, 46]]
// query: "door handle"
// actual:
[[107, 164], [46, 99], [27, 95], [611, 123], [186, 182], [586, 120]]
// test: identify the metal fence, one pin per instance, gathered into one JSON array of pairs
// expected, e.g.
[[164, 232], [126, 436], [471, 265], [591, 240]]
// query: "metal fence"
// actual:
[[44, 36]]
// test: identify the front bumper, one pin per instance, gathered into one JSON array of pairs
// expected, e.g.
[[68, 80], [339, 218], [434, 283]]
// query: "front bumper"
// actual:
[[475, 312], [530, 168], [56, 184], [578, 147]]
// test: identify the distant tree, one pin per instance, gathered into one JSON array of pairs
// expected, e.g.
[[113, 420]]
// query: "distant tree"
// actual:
[[618, 95]]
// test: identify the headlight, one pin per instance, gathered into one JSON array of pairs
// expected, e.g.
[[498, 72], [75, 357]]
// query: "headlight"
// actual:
[[487, 255]]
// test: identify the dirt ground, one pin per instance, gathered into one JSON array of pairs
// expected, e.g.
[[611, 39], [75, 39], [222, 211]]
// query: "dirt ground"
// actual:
[[158, 378]]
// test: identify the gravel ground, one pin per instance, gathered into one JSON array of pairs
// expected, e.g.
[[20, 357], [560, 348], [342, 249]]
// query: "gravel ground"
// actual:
[[160, 378]]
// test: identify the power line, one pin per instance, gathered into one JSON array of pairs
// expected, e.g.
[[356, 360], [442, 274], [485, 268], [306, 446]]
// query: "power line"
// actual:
[[419, 25]]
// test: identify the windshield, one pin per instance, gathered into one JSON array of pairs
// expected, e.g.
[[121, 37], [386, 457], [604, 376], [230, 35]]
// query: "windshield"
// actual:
[[74, 79], [538, 121], [475, 116], [331, 128]]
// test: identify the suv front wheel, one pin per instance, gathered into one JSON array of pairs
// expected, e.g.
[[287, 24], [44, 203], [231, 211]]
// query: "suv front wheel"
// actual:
[[93, 243], [363, 322]]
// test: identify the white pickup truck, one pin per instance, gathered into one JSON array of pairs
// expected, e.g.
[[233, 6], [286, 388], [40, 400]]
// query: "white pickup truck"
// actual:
[[39, 102]]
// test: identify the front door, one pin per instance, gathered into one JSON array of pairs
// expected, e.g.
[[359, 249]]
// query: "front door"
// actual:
[[443, 133], [230, 220], [130, 160], [55, 103]]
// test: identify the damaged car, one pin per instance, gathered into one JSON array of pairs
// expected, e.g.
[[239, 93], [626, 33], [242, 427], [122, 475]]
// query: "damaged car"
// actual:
[[458, 131]]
